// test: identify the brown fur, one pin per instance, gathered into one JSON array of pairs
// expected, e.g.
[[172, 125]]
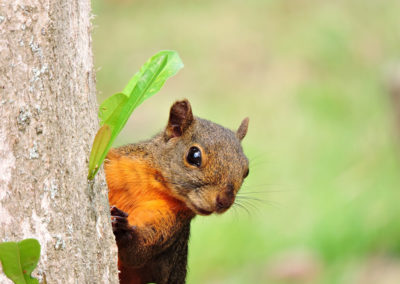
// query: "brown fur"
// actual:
[[156, 192]]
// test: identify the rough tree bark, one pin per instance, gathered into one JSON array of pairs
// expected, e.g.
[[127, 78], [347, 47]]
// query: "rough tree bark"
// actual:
[[48, 118]]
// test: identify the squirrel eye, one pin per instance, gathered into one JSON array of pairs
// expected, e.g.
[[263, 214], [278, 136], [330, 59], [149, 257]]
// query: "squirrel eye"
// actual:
[[246, 173], [194, 156]]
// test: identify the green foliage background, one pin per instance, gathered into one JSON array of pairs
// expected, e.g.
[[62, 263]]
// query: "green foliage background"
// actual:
[[322, 141]]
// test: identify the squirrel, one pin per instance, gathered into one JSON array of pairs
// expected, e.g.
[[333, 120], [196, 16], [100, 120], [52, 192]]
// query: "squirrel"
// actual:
[[156, 187]]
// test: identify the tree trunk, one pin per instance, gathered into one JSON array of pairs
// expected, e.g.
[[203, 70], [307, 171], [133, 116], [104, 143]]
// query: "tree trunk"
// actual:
[[48, 119]]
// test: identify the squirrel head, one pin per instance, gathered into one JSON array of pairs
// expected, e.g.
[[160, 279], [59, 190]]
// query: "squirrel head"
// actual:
[[205, 162]]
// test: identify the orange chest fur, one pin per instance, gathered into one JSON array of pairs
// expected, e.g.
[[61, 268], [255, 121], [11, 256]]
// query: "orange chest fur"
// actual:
[[139, 190]]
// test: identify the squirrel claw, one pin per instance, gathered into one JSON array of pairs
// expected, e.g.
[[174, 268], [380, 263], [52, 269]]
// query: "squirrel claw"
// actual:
[[120, 225], [117, 212]]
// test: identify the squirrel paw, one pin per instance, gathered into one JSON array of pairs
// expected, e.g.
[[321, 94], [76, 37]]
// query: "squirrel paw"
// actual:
[[121, 228]]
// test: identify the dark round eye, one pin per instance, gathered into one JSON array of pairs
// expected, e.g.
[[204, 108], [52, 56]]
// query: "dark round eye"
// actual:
[[194, 156], [246, 173]]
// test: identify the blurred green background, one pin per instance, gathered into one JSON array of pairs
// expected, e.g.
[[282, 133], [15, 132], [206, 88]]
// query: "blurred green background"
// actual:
[[324, 153]]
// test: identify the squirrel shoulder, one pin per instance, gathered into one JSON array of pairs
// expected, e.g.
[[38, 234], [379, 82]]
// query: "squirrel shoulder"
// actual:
[[139, 189]]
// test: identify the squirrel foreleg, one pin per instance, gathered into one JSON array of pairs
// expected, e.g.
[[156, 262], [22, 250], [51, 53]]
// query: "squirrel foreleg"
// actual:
[[136, 245]]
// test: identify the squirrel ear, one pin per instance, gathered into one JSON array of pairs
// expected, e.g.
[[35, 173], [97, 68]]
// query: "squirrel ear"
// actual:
[[241, 132], [180, 117]]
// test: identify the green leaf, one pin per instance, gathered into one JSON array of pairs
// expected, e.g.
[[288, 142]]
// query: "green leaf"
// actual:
[[174, 64], [19, 260], [116, 110], [109, 105], [100, 143]]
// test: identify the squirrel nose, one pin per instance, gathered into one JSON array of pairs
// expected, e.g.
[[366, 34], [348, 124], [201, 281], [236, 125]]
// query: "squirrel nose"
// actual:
[[224, 201]]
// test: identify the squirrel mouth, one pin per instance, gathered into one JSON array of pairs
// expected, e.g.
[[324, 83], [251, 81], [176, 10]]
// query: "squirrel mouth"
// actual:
[[201, 211]]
